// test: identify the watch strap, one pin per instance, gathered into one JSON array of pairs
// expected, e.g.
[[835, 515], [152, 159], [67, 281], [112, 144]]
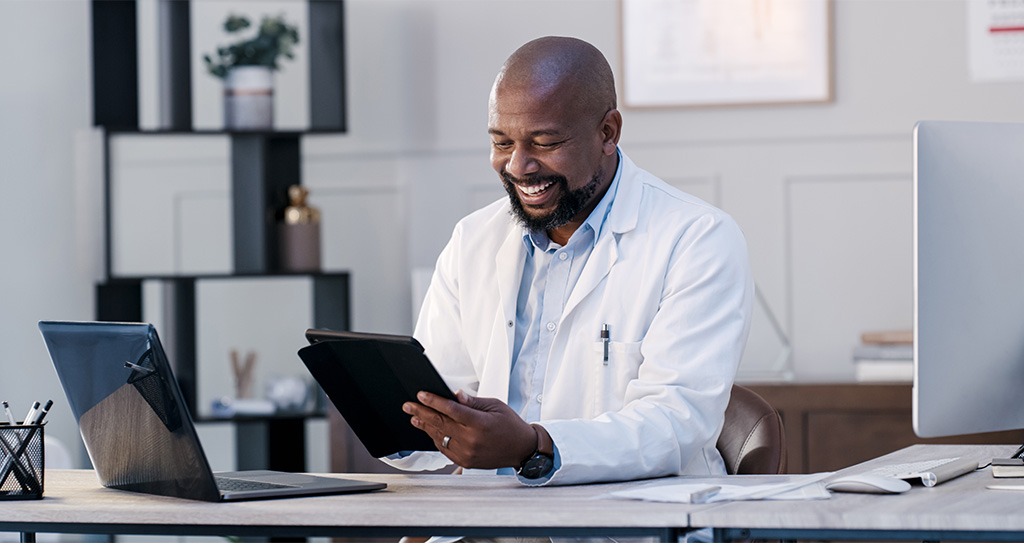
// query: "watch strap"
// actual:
[[541, 460], [544, 443]]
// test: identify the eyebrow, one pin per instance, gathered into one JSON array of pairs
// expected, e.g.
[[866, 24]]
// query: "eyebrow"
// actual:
[[541, 132]]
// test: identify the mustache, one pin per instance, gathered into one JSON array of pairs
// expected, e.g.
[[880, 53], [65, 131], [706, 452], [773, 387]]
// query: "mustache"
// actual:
[[533, 180]]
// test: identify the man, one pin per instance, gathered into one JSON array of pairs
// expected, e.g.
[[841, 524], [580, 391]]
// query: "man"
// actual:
[[593, 322]]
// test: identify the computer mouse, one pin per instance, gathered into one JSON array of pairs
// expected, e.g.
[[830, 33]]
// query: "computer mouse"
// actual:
[[868, 483]]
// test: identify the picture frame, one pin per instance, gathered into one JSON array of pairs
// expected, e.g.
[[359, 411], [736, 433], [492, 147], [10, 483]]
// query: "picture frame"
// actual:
[[695, 53]]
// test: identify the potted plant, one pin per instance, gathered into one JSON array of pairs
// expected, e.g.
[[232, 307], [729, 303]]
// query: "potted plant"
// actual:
[[247, 68]]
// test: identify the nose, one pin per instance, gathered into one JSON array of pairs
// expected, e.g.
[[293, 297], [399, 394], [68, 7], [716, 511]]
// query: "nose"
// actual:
[[520, 163]]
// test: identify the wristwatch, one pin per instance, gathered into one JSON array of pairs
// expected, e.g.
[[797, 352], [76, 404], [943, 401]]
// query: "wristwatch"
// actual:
[[542, 461]]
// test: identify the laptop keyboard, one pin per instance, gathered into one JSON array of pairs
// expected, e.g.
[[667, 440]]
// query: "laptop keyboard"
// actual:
[[232, 484]]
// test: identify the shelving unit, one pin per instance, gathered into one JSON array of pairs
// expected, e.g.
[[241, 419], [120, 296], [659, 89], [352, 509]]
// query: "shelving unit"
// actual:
[[263, 165]]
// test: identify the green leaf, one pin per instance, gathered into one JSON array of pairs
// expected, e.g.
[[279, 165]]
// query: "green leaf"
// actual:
[[274, 39]]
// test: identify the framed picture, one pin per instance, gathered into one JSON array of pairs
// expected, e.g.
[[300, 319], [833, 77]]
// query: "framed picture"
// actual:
[[725, 52]]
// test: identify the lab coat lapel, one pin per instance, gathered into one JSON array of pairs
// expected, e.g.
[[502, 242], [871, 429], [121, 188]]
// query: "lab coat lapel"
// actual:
[[509, 264], [622, 218], [605, 253]]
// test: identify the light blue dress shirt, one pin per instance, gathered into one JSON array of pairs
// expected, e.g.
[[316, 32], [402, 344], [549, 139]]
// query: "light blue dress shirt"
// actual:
[[549, 275]]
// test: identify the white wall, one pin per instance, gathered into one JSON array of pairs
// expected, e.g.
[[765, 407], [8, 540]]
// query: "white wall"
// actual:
[[48, 230], [822, 190]]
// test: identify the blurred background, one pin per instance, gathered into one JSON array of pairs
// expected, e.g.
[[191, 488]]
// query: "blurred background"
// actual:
[[818, 175]]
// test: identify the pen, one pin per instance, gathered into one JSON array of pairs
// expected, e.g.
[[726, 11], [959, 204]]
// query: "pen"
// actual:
[[137, 367], [18, 435], [10, 416], [38, 418], [31, 413], [704, 495], [605, 338]]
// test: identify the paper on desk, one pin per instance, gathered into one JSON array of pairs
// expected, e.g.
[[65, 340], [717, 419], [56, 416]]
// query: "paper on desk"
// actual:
[[1006, 487], [802, 487]]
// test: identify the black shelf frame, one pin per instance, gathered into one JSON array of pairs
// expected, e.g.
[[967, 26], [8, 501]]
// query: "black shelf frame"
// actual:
[[263, 442], [115, 64], [263, 165], [121, 300]]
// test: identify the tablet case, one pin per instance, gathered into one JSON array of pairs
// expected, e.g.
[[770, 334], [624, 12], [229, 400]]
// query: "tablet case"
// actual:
[[368, 377]]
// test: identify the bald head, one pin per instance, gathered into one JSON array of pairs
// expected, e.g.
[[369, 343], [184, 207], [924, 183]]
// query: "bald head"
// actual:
[[566, 66]]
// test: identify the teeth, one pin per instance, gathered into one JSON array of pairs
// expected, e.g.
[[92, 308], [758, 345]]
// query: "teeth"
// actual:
[[534, 190]]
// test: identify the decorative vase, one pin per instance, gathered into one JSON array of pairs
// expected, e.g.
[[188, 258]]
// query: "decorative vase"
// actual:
[[300, 233], [249, 98]]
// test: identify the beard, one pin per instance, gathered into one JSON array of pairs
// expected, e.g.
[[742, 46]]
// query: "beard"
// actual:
[[569, 205]]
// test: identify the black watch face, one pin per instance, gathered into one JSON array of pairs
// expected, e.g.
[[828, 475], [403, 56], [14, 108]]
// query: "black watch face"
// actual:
[[536, 466]]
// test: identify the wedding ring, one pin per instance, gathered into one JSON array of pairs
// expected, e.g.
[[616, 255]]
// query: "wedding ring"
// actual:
[[444, 442]]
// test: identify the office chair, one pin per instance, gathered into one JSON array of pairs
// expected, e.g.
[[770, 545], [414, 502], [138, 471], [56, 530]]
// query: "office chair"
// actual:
[[752, 439]]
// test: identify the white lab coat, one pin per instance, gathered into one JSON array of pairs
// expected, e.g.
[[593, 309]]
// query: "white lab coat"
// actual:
[[669, 274]]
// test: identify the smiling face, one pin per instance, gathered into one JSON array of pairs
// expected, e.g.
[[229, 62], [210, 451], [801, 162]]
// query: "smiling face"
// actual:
[[554, 150]]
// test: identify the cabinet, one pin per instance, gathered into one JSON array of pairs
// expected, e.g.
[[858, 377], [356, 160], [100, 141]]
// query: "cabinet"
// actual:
[[263, 164], [832, 426]]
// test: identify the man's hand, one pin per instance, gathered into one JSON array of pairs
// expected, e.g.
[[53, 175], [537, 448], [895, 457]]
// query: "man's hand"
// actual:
[[482, 432]]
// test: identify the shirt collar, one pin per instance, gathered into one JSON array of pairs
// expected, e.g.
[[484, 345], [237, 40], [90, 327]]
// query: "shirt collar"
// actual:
[[595, 222]]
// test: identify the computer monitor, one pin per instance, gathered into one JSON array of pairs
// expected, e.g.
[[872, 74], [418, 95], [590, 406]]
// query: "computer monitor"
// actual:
[[968, 277]]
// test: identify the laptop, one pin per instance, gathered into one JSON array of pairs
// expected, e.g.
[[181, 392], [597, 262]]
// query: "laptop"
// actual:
[[137, 428]]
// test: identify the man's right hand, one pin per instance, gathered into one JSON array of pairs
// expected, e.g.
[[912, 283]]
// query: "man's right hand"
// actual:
[[482, 432]]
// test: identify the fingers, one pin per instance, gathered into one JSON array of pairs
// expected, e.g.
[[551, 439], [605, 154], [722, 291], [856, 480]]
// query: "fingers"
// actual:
[[452, 409], [430, 422], [438, 416], [424, 418], [439, 403], [481, 432]]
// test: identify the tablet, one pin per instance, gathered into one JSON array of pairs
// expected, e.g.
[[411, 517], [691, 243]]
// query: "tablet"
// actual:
[[368, 377]]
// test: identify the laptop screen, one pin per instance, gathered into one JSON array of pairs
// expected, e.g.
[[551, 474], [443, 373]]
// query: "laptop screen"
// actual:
[[129, 408]]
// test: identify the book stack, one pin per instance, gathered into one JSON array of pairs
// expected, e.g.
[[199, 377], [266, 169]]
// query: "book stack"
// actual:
[[1008, 468], [885, 357]]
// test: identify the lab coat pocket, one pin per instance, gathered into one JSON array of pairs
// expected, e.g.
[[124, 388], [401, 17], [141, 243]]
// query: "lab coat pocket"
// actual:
[[623, 366]]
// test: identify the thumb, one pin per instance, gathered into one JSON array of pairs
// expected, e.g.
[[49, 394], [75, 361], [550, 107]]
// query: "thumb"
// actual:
[[481, 404]]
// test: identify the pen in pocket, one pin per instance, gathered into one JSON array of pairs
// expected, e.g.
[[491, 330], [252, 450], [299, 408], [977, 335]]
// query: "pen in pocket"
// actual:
[[605, 339]]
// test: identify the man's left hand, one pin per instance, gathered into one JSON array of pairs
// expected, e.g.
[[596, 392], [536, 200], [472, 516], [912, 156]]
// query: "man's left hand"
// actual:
[[481, 432]]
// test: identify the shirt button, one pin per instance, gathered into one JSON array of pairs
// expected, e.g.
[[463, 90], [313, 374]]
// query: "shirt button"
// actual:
[[551, 326], [510, 323], [540, 398], [563, 256]]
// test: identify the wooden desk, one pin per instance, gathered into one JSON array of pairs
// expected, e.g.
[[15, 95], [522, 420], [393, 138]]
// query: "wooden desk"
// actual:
[[958, 510], [961, 509], [74, 502]]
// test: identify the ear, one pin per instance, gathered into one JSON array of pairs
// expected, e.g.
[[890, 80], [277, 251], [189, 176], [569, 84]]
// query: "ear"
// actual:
[[611, 129]]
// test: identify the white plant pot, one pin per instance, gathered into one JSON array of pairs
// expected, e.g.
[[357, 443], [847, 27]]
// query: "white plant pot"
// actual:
[[249, 98]]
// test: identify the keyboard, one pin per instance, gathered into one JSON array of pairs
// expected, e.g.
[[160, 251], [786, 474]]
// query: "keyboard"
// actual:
[[930, 472], [232, 484]]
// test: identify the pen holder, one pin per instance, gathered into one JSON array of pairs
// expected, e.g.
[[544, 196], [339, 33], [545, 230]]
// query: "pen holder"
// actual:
[[21, 462]]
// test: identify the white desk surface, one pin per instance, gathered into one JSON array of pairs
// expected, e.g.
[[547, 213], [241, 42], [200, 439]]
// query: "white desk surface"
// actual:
[[959, 508], [74, 501]]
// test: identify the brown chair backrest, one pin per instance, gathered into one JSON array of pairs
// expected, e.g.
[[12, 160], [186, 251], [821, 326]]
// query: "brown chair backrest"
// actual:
[[752, 440]]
